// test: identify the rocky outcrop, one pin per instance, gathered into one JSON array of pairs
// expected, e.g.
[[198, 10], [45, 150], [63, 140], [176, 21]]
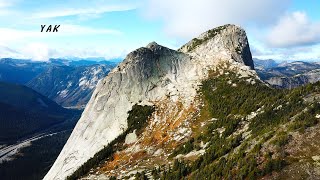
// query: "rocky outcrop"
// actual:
[[229, 40], [147, 75]]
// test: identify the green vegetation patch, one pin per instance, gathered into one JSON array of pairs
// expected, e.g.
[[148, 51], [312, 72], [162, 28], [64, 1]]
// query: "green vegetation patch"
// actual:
[[211, 34], [228, 155]]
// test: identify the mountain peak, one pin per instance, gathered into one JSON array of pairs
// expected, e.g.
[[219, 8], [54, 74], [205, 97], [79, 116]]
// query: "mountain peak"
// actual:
[[151, 75], [152, 44], [228, 39]]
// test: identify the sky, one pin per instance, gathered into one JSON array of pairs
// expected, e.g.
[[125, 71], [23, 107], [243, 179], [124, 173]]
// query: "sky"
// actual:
[[277, 29]]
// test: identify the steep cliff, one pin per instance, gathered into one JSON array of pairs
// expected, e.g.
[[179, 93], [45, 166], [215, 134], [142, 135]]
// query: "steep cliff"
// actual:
[[152, 75]]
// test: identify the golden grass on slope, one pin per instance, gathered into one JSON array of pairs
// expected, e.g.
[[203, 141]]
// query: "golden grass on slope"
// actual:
[[156, 142]]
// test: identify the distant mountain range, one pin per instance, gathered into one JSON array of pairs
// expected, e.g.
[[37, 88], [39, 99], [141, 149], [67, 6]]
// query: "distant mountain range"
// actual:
[[20, 71], [68, 82], [69, 86], [264, 64], [287, 75]]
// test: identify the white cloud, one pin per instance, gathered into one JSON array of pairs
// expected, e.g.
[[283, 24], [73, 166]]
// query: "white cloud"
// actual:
[[68, 29], [9, 35], [5, 12], [106, 52], [294, 29], [36, 51], [5, 7], [189, 18], [41, 51], [35, 45], [81, 11], [5, 3], [292, 53], [6, 52]]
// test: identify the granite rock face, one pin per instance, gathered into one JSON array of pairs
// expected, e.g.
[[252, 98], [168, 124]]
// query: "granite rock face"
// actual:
[[228, 39], [147, 75]]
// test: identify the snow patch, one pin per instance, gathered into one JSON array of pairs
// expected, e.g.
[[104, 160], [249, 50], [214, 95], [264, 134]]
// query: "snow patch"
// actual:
[[96, 71], [83, 81], [69, 84], [64, 93]]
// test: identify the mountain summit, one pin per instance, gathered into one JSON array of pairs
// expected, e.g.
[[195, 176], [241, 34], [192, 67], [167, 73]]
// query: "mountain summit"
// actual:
[[230, 40], [155, 76]]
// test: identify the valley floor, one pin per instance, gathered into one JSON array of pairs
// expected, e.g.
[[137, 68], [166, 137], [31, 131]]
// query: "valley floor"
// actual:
[[36, 157], [7, 153]]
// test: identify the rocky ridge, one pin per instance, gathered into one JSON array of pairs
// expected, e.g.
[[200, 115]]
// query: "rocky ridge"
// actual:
[[152, 75]]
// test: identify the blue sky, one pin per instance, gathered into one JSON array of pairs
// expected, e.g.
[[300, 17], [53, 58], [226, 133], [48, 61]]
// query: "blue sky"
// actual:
[[283, 30]]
